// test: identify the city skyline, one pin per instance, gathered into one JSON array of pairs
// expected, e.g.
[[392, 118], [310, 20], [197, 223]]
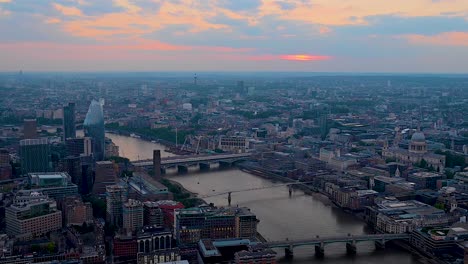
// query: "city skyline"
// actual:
[[423, 36]]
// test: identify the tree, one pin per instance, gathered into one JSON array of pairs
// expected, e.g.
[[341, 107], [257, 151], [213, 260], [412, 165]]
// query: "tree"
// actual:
[[50, 247], [423, 163]]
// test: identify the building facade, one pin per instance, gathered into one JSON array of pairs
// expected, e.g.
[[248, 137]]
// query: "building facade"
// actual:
[[153, 215], [79, 146], [233, 144], [35, 155], [69, 129], [106, 174], [132, 212], [116, 196], [30, 129], [194, 224], [34, 218], [94, 127]]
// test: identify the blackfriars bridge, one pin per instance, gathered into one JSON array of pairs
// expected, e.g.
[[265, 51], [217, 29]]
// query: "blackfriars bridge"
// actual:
[[350, 241], [159, 165]]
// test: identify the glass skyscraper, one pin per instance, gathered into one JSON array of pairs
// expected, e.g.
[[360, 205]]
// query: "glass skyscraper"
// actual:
[[35, 155], [94, 128], [69, 130]]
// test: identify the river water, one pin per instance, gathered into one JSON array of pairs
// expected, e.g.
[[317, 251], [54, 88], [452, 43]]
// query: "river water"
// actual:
[[281, 216]]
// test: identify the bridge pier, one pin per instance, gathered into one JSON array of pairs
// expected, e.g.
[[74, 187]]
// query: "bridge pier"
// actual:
[[163, 171], [351, 248], [320, 250], [288, 252], [182, 168], [204, 166], [380, 244], [157, 163], [224, 164]]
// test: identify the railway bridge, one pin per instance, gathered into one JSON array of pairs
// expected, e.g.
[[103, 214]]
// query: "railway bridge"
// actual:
[[350, 241]]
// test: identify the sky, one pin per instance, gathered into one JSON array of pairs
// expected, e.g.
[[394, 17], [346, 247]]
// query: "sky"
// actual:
[[402, 36]]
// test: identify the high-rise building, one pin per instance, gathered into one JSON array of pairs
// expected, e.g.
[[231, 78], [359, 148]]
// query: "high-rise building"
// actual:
[[33, 218], [5, 167], [69, 129], [132, 216], [106, 174], [94, 128], [30, 129], [4, 157], [116, 196], [35, 155], [79, 146], [72, 166], [153, 215]]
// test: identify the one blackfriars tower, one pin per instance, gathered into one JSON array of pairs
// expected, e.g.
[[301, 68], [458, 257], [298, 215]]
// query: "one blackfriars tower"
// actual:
[[94, 128]]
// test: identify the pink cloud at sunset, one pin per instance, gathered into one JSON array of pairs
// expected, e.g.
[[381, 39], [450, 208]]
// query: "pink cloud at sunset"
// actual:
[[442, 39], [67, 11]]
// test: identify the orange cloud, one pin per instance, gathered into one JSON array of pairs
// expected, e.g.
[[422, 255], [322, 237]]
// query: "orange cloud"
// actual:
[[52, 20], [324, 30], [67, 11], [135, 21], [443, 39]]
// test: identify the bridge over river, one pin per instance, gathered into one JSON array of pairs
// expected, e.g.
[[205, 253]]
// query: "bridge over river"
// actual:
[[350, 241], [159, 165]]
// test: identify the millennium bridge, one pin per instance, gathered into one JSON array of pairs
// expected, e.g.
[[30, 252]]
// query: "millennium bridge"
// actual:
[[350, 241]]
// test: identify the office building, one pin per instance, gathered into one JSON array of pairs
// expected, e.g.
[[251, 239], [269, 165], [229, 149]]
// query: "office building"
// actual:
[[34, 218], [35, 155], [233, 144], [79, 146], [438, 241], [132, 212], [153, 215], [5, 167], [397, 217], [72, 166], [56, 185], [125, 249], [116, 196], [76, 212], [69, 129], [94, 128], [168, 208], [106, 174], [30, 129], [425, 180], [4, 157], [194, 224]]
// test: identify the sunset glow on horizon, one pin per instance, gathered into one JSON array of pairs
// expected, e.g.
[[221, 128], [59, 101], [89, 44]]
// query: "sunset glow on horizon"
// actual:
[[304, 57]]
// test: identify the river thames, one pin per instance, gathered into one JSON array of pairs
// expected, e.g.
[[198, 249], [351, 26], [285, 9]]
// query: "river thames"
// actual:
[[281, 216]]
